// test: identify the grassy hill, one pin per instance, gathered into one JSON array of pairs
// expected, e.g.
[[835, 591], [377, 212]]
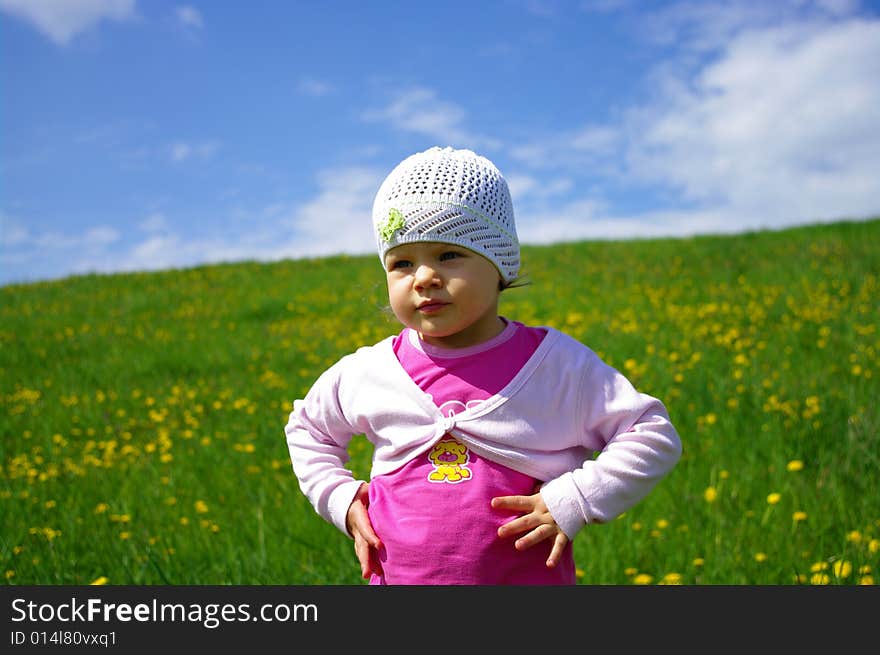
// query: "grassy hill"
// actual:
[[142, 414]]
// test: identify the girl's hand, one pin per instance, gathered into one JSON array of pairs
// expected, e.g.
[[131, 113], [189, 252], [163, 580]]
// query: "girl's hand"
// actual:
[[366, 542], [535, 521]]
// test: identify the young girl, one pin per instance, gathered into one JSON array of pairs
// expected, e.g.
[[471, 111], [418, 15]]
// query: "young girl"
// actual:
[[494, 442]]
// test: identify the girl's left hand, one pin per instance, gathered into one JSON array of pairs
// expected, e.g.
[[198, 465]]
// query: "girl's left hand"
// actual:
[[535, 521]]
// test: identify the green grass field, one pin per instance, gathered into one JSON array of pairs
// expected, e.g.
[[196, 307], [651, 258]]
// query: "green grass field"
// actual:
[[142, 414]]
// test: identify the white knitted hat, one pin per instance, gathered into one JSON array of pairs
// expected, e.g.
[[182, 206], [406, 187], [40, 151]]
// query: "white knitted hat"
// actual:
[[451, 196]]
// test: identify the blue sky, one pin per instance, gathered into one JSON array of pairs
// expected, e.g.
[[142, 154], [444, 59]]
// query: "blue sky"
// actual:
[[146, 135]]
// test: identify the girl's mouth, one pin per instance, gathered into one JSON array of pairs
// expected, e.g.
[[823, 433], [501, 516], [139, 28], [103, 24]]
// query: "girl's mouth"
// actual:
[[431, 306]]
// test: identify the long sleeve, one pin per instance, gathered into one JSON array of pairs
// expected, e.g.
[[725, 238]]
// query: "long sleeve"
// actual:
[[641, 447], [318, 434]]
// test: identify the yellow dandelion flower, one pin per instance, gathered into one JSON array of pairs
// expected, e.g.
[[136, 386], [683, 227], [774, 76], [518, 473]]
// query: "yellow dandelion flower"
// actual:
[[820, 579], [842, 568], [818, 566], [760, 557], [125, 535], [774, 498], [643, 579], [799, 516], [854, 537], [184, 520], [100, 508], [710, 494], [800, 578], [10, 574], [100, 581], [865, 569], [630, 571], [662, 523], [671, 579], [699, 561], [866, 580], [874, 545], [794, 465], [723, 474], [201, 506], [579, 573]]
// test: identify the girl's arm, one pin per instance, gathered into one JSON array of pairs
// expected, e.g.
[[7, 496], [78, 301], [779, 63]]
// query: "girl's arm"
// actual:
[[641, 447], [318, 435]]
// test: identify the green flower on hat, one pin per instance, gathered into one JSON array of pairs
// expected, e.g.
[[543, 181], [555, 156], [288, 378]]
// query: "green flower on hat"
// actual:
[[390, 225]]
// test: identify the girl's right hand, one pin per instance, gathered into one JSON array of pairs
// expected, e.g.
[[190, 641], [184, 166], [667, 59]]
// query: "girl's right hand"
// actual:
[[366, 542]]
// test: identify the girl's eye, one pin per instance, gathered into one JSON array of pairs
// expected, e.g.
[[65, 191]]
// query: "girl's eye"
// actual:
[[400, 263], [449, 254]]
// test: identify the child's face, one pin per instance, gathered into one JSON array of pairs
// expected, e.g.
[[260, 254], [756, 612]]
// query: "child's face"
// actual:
[[448, 294]]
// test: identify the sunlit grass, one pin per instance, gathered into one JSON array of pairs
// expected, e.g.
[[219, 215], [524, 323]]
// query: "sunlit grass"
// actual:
[[142, 414]]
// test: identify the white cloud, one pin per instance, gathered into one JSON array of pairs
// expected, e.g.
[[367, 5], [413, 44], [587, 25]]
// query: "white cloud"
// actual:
[[183, 150], [338, 219], [180, 151], [12, 232], [100, 236], [421, 111], [93, 237], [693, 25], [784, 125], [314, 88], [600, 140], [21, 248], [153, 223], [589, 147], [62, 20], [523, 186], [189, 17], [780, 126], [158, 252], [592, 219]]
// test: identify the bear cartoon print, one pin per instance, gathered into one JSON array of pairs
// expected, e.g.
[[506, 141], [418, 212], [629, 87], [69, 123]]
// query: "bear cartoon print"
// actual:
[[449, 458]]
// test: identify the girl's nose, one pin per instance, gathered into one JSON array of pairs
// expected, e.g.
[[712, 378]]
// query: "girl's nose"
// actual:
[[426, 276]]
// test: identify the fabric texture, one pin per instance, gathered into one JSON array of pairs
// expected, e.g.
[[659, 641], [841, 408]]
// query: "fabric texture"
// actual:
[[434, 514], [566, 419], [449, 196]]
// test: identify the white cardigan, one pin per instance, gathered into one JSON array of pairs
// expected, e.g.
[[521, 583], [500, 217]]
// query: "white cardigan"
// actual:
[[564, 406]]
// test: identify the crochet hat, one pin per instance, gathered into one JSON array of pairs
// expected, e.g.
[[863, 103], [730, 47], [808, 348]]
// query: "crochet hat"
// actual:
[[451, 196]]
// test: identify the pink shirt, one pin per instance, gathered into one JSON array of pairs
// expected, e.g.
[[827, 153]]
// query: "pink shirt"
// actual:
[[433, 514]]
